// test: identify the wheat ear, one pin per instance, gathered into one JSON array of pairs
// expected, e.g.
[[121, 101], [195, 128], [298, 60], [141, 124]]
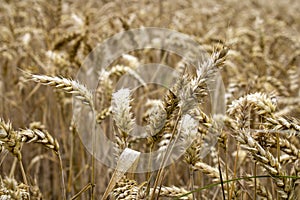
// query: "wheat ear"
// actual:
[[67, 85], [38, 134]]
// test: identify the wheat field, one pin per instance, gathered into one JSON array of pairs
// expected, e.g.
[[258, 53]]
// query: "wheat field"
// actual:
[[239, 139]]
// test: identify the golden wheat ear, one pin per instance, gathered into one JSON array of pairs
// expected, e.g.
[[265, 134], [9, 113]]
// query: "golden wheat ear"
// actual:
[[10, 139], [66, 85], [38, 134]]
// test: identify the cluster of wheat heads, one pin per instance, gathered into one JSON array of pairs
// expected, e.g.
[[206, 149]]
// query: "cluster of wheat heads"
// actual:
[[12, 141], [255, 46]]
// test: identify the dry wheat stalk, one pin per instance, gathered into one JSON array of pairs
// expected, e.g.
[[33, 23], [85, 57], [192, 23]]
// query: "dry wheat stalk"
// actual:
[[296, 183], [264, 107], [104, 89], [190, 91]]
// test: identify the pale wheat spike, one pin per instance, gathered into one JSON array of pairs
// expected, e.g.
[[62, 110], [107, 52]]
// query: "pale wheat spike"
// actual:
[[172, 191], [192, 91], [123, 117], [67, 85], [121, 110]]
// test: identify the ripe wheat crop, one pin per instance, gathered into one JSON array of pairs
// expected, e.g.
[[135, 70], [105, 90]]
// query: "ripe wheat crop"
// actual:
[[233, 117]]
